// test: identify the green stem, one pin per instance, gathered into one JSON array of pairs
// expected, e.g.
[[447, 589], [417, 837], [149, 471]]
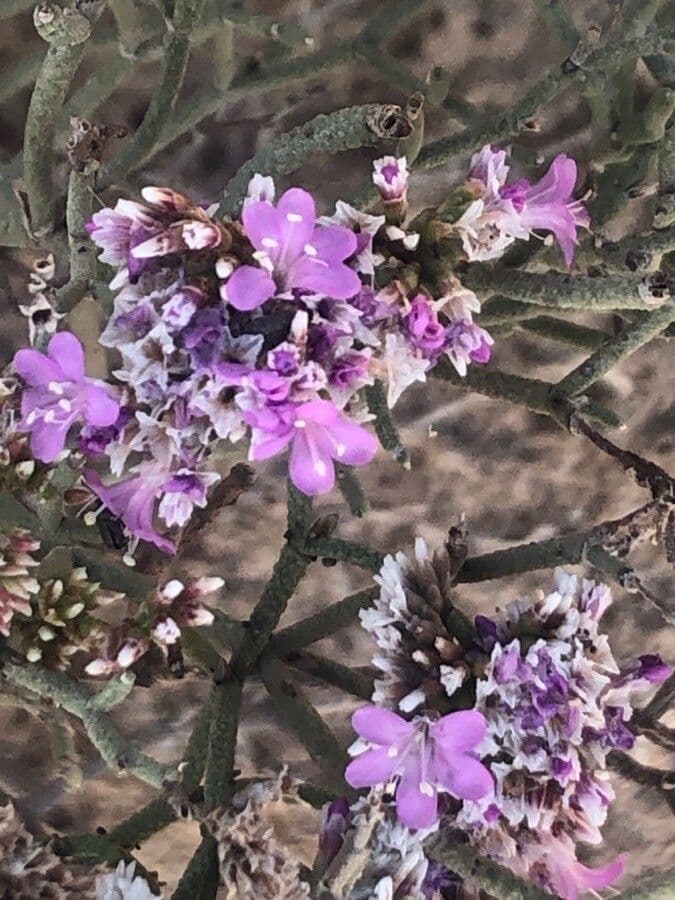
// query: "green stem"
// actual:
[[384, 424], [345, 129], [163, 101], [492, 878], [604, 59], [346, 551], [322, 624], [295, 710], [351, 490], [529, 392], [79, 209], [64, 692], [565, 332], [556, 16], [224, 708], [562, 291], [199, 881], [350, 680], [66, 32], [288, 570], [612, 351]]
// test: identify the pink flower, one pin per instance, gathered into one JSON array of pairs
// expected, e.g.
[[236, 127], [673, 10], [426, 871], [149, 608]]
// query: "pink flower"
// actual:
[[467, 342], [295, 253], [318, 434], [133, 501], [424, 331], [426, 757], [390, 176], [58, 394], [569, 878], [548, 204]]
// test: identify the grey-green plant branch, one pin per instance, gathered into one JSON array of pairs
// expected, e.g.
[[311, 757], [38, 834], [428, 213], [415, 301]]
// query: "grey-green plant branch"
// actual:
[[623, 289]]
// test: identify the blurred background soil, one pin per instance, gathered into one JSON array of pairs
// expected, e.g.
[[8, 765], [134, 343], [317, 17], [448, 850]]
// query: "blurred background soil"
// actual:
[[516, 476]]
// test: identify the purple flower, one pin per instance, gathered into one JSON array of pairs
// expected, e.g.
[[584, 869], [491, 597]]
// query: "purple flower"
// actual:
[[133, 501], [318, 434], [424, 331], [569, 878], [467, 342], [350, 370], [337, 817], [427, 757], [295, 253], [548, 204], [390, 176], [58, 394], [117, 231], [182, 492]]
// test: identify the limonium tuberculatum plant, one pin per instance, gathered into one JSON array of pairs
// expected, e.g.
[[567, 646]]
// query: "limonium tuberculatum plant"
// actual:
[[264, 324]]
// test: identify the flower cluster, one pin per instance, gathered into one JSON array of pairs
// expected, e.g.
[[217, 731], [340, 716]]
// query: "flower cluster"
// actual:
[[156, 626], [549, 703], [502, 213], [266, 328], [17, 584]]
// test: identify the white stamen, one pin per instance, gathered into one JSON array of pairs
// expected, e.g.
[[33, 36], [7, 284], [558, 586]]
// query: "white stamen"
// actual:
[[269, 242], [426, 788], [392, 752], [50, 416], [320, 467], [341, 449], [31, 417], [55, 388], [309, 250], [294, 217], [300, 423], [65, 405]]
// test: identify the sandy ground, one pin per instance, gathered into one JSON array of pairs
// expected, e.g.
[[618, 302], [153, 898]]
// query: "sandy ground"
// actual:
[[516, 476]]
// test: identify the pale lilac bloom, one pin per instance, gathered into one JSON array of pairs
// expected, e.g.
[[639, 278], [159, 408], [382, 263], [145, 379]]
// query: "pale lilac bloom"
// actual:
[[319, 434], [425, 333], [182, 492], [503, 213], [118, 231], [260, 187], [133, 501], [364, 226], [294, 254], [456, 301], [427, 758], [569, 878], [390, 176], [58, 394], [467, 342], [401, 366], [547, 205]]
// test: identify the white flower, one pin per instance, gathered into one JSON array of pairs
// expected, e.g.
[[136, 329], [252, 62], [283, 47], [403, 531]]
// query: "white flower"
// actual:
[[260, 187], [121, 885], [402, 367], [361, 223]]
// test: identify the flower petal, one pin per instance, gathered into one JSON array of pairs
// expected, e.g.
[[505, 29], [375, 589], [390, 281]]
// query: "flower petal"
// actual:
[[310, 467], [370, 768], [37, 369], [248, 288], [334, 280], [381, 726], [334, 243], [297, 216], [459, 732], [48, 440], [465, 777], [67, 352], [351, 443], [263, 227], [416, 802], [101, 409]]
